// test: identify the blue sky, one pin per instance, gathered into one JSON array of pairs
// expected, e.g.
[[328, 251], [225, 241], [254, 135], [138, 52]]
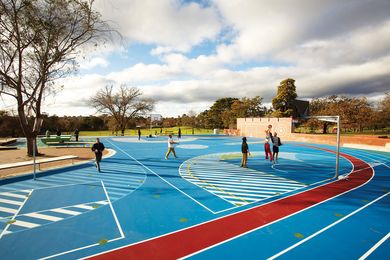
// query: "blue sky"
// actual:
[[187, 54]]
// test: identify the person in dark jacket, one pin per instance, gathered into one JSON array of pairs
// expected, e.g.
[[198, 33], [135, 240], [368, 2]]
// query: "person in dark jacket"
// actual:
[[98, 149], [76, 134], [139, 133], [245, 152], [275, 147]]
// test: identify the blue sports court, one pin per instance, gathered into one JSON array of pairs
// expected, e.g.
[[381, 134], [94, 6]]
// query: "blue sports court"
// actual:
[[202, 205]]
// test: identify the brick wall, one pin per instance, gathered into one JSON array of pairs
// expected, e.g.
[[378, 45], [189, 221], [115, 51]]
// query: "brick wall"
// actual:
[[255, 127]]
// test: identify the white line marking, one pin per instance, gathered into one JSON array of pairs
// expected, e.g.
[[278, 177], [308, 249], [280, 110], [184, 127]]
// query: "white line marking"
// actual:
[[78, 249], [25, 224], [43, 216], [327, 227], [170, 184], [13, 202], [113, 211], [372, 249], [8, 210], [9, 194], [82, 206], [66, 211], [13, 218]]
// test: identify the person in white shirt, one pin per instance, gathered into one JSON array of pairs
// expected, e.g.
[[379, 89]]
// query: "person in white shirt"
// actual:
[[171, 147]]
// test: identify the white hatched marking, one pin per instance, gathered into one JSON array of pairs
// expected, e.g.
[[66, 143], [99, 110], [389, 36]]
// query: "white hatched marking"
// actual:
[[234, 183], [242, 195], [25, 224], [66, 211], [9, 194], [13, 202], [43, 216], [8, 210], [104, 202], [245, 191], [84, 207]]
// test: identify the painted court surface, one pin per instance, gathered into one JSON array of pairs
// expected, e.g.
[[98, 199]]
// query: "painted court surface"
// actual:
[[202, 205]]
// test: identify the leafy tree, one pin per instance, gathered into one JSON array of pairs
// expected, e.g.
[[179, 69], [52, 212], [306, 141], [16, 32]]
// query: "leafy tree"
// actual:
[[245, 107], [282, 102], [39, 42], [122, 105], [213, 117], [355, 113], [383, 114]]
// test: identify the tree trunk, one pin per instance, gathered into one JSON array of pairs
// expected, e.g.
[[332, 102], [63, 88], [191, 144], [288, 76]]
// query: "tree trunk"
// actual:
[[325, 128], [30, 146]]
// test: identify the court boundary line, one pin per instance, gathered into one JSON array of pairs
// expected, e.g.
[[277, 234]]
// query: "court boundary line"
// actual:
[[112, 210], [170, 184], [372, 249], [326, 228]]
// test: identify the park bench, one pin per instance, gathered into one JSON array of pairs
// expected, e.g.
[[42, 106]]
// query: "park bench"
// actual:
[[37, 162]]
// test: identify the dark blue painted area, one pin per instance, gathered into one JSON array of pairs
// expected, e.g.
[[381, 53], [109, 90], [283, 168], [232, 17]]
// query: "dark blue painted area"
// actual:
[[155, 207]]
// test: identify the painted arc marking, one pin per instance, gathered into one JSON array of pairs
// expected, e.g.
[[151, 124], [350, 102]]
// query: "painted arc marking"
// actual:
[[206, 235], [25, 224], [43, 216], [12, 202], [8, 210], [66, 211]]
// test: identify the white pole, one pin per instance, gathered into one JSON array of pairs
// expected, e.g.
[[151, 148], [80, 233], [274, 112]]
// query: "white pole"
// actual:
[[34, 141], [338, 148]]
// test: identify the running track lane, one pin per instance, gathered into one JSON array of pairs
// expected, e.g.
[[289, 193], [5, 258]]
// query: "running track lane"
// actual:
[[193, 239]]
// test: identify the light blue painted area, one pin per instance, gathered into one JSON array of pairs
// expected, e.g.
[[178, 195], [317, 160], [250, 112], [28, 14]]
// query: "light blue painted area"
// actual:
[[151, 197]]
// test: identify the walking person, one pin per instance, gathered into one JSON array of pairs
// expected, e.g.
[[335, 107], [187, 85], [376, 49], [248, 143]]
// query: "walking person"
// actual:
[[171, 147], [275, 147], [179, 133], [245, 152], [139, 134], [76, 134], [268, 139], [98, 149]]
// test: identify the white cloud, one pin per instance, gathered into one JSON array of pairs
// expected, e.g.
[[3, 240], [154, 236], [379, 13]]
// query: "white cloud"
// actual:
[[166, 23], [328, 47], [93, 63]]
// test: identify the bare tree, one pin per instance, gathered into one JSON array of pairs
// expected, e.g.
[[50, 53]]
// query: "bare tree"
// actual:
[[122, 105], [39, 42]]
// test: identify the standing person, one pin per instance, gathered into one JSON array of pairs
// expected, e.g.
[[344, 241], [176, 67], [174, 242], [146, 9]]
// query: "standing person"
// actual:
[[76, 134], [268, 139], [47, 134], [245, 152], [179, 133], [161, 131], [98, 149], [171, 147], [275, 147], [139, 133], [58, 132]]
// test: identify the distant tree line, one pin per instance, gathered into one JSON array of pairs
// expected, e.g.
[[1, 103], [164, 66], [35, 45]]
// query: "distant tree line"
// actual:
[[357, 114]]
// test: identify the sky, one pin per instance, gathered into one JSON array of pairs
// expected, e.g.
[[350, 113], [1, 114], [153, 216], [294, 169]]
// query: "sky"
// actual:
[[187, 54]]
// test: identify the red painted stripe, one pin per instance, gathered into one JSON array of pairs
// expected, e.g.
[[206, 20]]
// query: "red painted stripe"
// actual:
[[191, 240]]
